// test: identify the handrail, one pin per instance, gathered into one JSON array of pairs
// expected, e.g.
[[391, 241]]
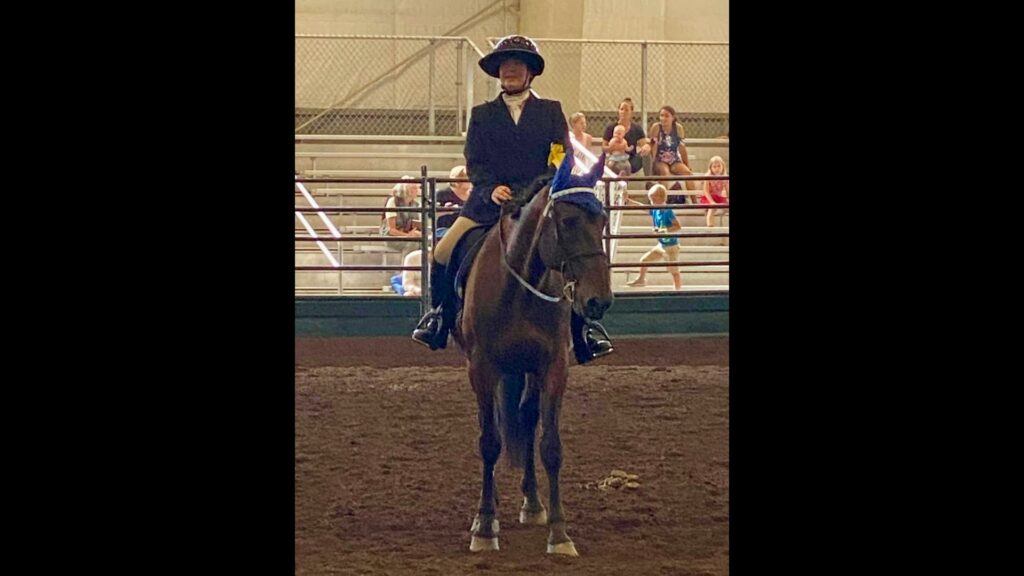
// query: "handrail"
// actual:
[[694, 142], [429, 211], [376, 138]]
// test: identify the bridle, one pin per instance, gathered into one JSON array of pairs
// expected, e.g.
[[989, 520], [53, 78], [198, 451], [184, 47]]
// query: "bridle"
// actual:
[[569, 288]]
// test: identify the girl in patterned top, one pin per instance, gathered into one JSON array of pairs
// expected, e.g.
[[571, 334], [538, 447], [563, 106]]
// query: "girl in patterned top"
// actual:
[[670, 156]]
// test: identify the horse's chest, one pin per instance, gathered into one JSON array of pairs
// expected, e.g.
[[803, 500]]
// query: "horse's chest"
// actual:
[[526, 346]]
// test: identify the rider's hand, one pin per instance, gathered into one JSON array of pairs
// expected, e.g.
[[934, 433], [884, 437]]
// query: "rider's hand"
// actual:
[[501, 194]]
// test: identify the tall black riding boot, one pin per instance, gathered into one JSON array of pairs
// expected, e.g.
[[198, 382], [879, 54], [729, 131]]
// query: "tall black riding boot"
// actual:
[[432, 330]]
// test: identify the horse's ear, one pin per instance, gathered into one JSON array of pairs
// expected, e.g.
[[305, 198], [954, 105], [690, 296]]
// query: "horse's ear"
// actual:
[[562, 175], [569, 161]]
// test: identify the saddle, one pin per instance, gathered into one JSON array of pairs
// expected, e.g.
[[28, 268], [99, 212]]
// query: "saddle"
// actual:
[[462, 258]]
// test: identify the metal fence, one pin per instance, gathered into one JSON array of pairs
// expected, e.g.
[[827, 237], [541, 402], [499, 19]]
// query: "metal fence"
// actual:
[[593, 76], [322, 273], [423, 85], [413, 85]]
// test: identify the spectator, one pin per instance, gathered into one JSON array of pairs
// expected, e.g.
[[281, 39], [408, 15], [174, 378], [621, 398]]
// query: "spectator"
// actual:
[[407, 282], [402, 224], [455, 196], [578, 124], [670, 156], [715, 191], [618, 152], [634, 135], [410, 278], [667, 248]]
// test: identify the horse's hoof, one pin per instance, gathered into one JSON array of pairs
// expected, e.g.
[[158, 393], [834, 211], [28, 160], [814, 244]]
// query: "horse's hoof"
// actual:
[[484, 544], [540, 517], [566, 548], [476, 525]]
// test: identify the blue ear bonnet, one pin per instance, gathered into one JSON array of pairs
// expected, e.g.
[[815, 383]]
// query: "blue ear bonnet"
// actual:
[[565, 180]]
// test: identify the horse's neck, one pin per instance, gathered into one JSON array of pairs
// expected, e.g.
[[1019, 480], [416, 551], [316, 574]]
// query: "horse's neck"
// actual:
[[523, 250]]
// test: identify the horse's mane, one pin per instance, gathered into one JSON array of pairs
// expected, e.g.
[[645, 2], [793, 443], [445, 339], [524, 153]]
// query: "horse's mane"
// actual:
[[523, 196]]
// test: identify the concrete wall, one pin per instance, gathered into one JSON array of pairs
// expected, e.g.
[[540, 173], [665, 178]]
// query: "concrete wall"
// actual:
[[689, 20], [685, 20], [401, 17], [632, 315]]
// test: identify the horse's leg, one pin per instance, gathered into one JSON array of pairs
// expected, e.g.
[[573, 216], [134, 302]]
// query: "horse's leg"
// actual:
[[484, 377], [553, 386], [532, 512]]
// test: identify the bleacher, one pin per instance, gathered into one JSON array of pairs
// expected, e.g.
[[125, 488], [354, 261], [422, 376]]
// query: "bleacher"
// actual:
[[394, 157]]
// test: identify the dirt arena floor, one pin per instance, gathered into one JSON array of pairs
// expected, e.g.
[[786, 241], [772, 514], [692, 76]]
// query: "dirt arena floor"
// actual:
[[387, 469]]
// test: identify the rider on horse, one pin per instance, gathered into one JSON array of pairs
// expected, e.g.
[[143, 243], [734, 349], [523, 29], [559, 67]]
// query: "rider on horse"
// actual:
[[511, 141]]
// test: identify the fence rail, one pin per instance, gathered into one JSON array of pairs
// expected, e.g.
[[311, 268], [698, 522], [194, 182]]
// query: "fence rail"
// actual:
[[429, 211]]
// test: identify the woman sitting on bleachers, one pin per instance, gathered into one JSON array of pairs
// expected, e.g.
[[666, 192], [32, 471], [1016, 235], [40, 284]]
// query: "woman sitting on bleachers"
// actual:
[[402, 224]]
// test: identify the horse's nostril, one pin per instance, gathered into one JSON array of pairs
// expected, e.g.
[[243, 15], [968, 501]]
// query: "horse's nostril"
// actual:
[[596, 307]]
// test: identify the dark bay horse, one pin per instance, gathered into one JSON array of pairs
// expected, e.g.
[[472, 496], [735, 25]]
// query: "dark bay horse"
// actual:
[[514, 329]]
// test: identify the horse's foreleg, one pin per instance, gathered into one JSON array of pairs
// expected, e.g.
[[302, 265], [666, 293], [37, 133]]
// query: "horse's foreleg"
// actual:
[[484, 378], [551, 455], [532, 512]]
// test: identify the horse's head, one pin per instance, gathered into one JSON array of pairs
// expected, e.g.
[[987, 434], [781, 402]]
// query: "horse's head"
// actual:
[[571, 242]]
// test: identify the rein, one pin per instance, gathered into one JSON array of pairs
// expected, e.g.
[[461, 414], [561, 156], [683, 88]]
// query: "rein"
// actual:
[[569, 288]]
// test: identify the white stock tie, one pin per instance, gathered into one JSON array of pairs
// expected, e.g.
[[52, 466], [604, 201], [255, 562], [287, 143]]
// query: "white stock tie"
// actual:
[[516, 108]]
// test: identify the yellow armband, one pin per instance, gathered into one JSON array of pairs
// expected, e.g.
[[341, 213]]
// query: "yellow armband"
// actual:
[[556, 155]]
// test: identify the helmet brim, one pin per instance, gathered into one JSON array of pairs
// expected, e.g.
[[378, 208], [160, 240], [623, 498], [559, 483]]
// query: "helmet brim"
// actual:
[[492, 62]]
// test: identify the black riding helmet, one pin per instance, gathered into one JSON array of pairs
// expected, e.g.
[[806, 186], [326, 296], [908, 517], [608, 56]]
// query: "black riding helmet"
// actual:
[[519, 46]]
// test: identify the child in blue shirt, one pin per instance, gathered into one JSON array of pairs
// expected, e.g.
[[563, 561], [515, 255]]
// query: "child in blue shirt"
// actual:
[[668, 248]]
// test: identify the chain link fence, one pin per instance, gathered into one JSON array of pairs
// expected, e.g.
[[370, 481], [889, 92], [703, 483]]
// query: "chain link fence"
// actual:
[[594, 76], [693, 79], [422, 85], [384, 85]]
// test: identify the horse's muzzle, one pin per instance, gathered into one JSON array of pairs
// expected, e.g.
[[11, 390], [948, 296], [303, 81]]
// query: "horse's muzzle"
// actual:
[[595, 307]]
